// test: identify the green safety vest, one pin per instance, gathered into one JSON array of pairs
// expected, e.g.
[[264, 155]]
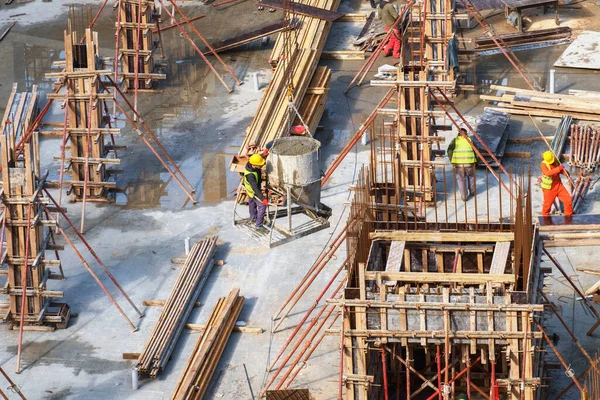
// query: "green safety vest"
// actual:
[[249, 189], [546, 180], [463, 153]]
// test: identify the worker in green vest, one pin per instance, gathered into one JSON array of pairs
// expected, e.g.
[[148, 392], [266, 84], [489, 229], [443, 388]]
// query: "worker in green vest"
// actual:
[[257, 203], [463, 161]]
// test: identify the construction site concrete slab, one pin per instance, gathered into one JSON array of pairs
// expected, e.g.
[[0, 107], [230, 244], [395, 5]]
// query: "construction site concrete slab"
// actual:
[[582, 53]]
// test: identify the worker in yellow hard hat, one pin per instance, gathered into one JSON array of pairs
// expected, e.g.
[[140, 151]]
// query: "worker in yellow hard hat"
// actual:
[[552, 186], [463, 161], [257, 203]]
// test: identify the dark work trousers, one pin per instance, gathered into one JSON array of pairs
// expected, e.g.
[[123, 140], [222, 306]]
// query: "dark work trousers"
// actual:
[[465, 179], [257, 210]]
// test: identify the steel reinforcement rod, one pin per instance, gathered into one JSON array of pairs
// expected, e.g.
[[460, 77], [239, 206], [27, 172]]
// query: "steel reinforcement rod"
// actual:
[[309, 282], [579, 292], [308, 313], [136, 127], [300, 340], [189, 39], [208, 45], [306, 346], [13, 387], [481, 157], [562, 361], [371, 60], [146, 128], [573, 337], [356, 137], [92, 252], [340, 236], [24, 287], [89, 269]]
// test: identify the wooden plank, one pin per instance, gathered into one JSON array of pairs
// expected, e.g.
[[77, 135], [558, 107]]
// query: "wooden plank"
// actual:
[[500, 258], [444, 237], [352, 18], [394, 260], [343, 55], [304, 9], [419, 277]]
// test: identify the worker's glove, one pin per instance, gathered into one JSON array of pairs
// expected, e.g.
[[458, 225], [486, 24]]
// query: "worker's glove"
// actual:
[[265, 153], [265, 202]]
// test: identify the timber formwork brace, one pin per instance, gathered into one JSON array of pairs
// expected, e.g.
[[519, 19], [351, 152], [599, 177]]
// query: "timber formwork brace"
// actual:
[[86, 123]]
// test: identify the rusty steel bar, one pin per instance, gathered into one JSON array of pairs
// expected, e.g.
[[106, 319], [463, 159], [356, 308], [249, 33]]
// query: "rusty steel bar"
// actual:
[[308, 343], [24, 288], [356, 137], [63, 144], [573, 337], [136, 70], [562, 361], [95, 19], [341, 380], [15, 388], [502, 46], [307, 314], [313, 348], [164, 28], [93, 253], [300, 340], [118, 37], [584, 299], [371, 60], [88, 149], [340, 236], [461, 373], [208, 45], [385, 379], [189, 39], [145, 140], [92, 273], [146, 128]]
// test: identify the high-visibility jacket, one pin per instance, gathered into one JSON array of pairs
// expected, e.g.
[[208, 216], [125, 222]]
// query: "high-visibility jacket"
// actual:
[[249, 188], [463, 153], [550, 175]]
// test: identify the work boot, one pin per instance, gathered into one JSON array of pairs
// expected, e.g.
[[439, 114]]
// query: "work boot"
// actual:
[[262, 229]]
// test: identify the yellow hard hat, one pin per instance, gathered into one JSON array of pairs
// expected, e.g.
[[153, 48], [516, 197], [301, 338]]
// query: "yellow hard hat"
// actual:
[[548, 157], [256, 159]]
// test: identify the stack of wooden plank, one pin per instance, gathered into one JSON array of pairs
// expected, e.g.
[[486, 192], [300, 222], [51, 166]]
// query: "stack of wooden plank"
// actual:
[[313, 105], [205, 357], [274, 115], [584, 106], [525, 40], [177, 309]]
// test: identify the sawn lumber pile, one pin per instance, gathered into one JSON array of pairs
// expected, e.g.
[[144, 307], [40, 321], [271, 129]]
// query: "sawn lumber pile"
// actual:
[[274, 115], [205, 357], [581, 105], [177, 308]]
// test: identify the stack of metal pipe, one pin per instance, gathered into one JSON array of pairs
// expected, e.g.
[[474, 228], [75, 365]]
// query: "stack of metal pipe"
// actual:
[[560, 136], [584, 150], [177, 308], [582, 185]]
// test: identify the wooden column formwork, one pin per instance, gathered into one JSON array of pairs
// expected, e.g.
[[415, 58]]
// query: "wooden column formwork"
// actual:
[[137, 44], [26, 228], [465, 299], [88, 122]]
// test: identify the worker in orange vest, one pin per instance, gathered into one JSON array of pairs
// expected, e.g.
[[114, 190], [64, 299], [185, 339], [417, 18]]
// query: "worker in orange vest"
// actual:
[[552, 186]]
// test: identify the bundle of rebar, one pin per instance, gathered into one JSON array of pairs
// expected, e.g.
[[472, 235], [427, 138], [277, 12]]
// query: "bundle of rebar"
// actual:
[[584, 150], [177, 308], [582, 185], [560, 136], [204, 359]]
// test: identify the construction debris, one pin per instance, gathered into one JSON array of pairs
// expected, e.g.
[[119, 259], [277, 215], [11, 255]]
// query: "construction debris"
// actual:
[[179, 305], [209, 348]]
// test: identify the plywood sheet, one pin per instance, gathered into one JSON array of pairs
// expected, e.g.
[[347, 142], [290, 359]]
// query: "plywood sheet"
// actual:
[[584, 52]]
